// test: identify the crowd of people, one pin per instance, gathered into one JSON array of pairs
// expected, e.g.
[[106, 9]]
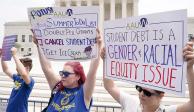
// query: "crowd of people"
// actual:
[[74, 88]]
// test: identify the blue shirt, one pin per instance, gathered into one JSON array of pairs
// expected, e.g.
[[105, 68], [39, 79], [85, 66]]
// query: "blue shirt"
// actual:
[[18, 101], [69, 100]]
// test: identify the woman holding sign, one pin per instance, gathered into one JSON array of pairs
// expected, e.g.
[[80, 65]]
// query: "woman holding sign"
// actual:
[[149, 99], [73, 89]]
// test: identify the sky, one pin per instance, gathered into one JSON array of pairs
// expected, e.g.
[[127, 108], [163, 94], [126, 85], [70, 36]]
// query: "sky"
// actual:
[[16, 10]]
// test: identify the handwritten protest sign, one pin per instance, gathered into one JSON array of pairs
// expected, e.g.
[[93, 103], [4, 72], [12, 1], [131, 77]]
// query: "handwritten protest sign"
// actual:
[[147, 50], [8, 43], [66, 33]]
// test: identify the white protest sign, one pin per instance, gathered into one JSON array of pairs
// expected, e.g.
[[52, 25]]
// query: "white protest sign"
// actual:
[[147, 50], [66, 33]]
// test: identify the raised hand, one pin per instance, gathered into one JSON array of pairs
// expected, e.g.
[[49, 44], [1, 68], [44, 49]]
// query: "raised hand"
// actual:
[[13, 51], [188, 53]]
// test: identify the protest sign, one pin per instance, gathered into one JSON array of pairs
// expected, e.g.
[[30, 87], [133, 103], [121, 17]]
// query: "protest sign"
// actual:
[[147, 50], [66, 33], [8, 43]]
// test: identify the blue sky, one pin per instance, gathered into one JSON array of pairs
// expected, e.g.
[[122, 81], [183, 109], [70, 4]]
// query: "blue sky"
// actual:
[[16, 10]]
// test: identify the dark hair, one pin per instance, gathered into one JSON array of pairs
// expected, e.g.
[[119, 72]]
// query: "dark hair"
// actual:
[[78, 69], [89, 48], [26, 62]]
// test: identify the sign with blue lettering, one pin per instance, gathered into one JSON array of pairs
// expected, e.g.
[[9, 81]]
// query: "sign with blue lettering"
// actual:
[[66, 33], [147, 50], [8, 43]]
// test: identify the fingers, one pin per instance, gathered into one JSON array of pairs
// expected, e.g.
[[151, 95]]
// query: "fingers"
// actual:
[[188, 52], [13, 50], [34, 37], [32, 31], [102, 53], [98, 38], [98, 31]]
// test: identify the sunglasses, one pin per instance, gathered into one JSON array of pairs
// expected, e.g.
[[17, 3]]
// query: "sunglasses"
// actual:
[[145, 92], [65, 73]]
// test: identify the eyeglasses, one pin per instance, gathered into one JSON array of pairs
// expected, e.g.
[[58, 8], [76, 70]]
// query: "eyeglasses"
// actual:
[[65, 73], [145, 92]]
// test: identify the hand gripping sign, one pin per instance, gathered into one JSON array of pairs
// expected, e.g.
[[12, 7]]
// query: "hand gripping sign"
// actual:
[[64, 33], [147, 50]]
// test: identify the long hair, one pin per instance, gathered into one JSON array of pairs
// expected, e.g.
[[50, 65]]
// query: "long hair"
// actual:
[[78, 69]]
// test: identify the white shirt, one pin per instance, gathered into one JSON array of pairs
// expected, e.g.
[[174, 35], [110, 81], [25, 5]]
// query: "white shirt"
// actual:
[[131, 103]]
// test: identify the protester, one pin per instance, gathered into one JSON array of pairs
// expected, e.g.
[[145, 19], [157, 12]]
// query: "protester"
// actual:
[[23, 83], [74, 92], [149, 99]]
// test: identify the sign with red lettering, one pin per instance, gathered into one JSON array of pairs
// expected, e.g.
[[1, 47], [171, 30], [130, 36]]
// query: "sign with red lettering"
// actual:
[[147, 50], [66, 33]]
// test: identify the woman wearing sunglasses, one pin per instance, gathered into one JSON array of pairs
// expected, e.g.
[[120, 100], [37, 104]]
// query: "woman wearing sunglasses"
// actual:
[[74, 92], [149, 99]]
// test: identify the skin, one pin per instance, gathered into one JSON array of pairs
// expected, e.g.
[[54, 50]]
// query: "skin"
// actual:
[[52, 78], [23, 71], [150, 104], [71, 80]]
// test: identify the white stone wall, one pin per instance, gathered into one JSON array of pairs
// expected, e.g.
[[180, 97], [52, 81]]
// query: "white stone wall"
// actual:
[[19, 29], [23, 28]]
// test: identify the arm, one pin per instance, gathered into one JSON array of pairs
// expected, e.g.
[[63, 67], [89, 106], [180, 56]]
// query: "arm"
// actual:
[[5, 69], [188, 54], [90, 82], [20, 67], [109, 85], [51, 77]]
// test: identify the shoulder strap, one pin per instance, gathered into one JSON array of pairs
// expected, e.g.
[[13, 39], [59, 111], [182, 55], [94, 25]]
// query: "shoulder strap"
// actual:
[[54, 90]]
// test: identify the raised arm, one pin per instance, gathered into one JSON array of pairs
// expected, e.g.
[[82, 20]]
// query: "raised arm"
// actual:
[[20, 67], [51, 77], [188, 54], [91, 76], [6, 69], [109, 85]]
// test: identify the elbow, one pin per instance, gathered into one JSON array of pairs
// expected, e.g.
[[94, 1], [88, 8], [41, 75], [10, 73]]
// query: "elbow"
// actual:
[[105, 84], [5, 70], [46, 70], [23, 73]]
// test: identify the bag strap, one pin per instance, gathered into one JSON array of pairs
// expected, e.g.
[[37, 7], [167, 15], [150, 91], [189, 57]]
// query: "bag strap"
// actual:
[[52, 95], [53, 92]]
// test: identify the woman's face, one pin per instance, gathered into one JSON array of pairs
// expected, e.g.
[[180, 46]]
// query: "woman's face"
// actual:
[[68, 77], [153, 99]]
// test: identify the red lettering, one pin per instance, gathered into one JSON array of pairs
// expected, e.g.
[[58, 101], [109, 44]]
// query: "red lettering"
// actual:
[[153, 74], [144, 80], [112, 62], [159, 73], [171, 77]]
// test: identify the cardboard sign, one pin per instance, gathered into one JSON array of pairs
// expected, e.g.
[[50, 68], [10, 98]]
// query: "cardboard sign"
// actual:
[[147, 50], [66, 33], [8, 43]]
